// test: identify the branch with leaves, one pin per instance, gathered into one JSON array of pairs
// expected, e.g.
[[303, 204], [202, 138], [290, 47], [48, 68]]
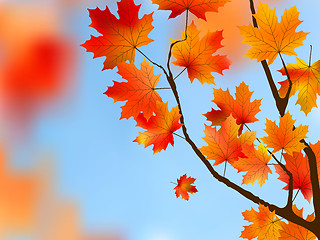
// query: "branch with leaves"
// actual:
[[227, 141]]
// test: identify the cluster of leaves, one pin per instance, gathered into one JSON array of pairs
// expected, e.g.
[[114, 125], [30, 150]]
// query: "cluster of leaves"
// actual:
[[228, 138]]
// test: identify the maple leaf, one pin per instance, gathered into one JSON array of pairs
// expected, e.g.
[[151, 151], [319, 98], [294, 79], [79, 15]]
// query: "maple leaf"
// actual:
[[196, 55], [284, 137], [293, 231], [184, 187], [299, 167], [242, 109], [197, 7], [255, 164], [160, 128], [305, 78], [272, 37], [224, 144], [120, 37], [139, 90], [266, 225]]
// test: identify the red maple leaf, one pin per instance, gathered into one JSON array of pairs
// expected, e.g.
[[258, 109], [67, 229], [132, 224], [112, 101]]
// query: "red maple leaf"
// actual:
[[241, 108], [139, 91], [299, 167], [120, 37], [159, 128], [184, 187], [197, 7]]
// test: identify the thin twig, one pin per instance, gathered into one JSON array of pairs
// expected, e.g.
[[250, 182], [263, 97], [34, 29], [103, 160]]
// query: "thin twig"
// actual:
[[154, 63], [174, 43]]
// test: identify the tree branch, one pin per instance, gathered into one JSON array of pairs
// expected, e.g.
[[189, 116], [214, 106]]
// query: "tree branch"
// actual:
[[285, 212], [174, 43], [281, 104]]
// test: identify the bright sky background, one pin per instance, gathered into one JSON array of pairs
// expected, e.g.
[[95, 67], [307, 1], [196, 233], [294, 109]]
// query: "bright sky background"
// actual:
[[120, 185]]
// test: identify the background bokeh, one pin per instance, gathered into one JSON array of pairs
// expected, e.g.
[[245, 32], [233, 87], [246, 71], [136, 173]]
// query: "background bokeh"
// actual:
[[68, 167]]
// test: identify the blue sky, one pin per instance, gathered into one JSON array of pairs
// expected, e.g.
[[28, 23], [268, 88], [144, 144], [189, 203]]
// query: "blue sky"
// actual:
[[119, 184]]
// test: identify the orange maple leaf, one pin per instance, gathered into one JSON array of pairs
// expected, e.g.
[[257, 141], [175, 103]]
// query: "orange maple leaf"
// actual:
[[294, 231], [272, 37], [197, 7], [184, 187], [255, 164], [305, 79], [266, 225], [242, 109], [196, 55], [224, 144], [159, 128], [120, 37], [139, 90], [299, 167], [284, 137]]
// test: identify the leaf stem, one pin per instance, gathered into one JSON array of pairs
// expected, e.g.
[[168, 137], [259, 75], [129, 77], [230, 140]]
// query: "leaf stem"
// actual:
[[225, 169], [310, 55], [179, 74], [179, 136], [295, 196], [174, 183], [162, 88]]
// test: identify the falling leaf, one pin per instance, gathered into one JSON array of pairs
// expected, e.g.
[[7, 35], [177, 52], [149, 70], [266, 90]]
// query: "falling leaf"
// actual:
[[305, 78], [298, 165], [242, 109], [224, 144], [120, 37], [139, 91], [255, 164], [272, 37], [197, 7], [295, 232], [196, 55], [184, 187], [159, 128], [265, 224], [284, 137]]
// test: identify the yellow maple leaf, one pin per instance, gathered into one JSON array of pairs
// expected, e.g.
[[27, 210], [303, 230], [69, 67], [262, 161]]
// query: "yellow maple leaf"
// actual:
[[255, 164], [224, 144], [284, 137], [305, 79], [196, 55], [266, 225], [272, 37]]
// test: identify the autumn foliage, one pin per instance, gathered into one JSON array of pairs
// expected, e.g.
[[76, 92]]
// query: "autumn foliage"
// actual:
[[284, 150]]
